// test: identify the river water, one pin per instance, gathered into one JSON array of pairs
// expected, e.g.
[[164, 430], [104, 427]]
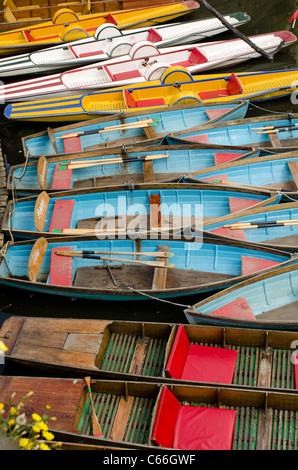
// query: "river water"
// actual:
[[266, 16]]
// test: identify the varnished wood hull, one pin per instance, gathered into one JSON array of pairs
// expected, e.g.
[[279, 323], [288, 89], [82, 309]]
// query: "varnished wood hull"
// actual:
[[69, 403]]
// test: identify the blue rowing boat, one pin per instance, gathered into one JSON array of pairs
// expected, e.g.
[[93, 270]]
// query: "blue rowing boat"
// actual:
[[278, 172], [100, 168], [128, 128], [267, 300], [127, 269], [279, 130], [274, 226], [139, 210]]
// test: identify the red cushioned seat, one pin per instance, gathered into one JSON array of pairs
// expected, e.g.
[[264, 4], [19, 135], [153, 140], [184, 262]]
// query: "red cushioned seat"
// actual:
[[249, 264], [239, 308], [150, 102], [220, 158], [61, 267], [191, 427], [209, 364], [200, 363], [61, 178], [164, 423], [126, 75], [207, 95], [227, 232], [72, 144], [62, 213], [237, 204], [202, 428]]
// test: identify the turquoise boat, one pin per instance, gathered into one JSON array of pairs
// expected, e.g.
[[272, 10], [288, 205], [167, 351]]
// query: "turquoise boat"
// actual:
[[127, 129], [102, 168], [135, 209], [267, 300], [277, 131], [273, 226], [126, 269], [277, 172]]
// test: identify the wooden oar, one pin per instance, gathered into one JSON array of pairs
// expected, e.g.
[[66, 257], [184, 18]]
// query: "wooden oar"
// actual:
[[159, 264], [75, 165], [160, 254], [265, 128], [275, 131], [236, 224], [263, 225], [97, 432], [133, 125]]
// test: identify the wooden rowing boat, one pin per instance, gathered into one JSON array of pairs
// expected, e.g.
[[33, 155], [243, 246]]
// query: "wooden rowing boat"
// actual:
[[144, 63], [281, 230], [275, 131], [276, 172], [55, 31], [135, 209], [266, 301], [176, 87], [103, 168], [110, 41], [126, 269], [23, 13], [122, 350], [123, 131], [132, 415]]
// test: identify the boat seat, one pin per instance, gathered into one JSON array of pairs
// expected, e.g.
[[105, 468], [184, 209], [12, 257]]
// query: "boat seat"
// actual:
[[178, 426], [238, 308], [72, 144], [227, 232], [126, 75], [249, 264], [220, 158], [214, 113], [217, 178], [237, 204], [61, 178], [195, 57], [203, 138], [234, 87], [61, 267], [62, 213], [154, 36], [200, 363], [132, 103]]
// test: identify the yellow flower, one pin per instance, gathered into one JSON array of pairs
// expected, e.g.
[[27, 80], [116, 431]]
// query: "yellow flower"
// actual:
[[11, 422], [3, 348], [36, 417], [36, 428], [48, 435], [13, 411], [1, 406], [48, 407], [44, 446], [42, 425], [24, 442]]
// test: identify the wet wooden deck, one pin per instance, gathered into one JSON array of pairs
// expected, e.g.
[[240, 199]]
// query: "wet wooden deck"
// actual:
[[3, 193]]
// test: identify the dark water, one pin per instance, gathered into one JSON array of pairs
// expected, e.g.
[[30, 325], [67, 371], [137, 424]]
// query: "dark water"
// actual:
[[265, 17]]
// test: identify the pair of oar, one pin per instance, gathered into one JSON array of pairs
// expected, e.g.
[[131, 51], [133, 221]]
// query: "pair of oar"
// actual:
[[77, 164], [266, 224], [119, 127], [275, 129], [98, 255]]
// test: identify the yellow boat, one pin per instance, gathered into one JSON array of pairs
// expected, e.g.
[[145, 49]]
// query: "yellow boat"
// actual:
[[22, 13], [176, 87], [66, 25]]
